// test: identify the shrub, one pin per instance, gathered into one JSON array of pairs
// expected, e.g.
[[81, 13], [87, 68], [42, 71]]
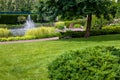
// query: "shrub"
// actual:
[[42, 32], [72, 34], [77, 26], [98, 63], [3, 26], [4, 32], [81, 21], [111, 29], [21, 19], [60, 25]]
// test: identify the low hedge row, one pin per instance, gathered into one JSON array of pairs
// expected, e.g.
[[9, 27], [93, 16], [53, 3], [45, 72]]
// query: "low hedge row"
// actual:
[[13, 18], [17, 38], [104, 31], [97, 63]]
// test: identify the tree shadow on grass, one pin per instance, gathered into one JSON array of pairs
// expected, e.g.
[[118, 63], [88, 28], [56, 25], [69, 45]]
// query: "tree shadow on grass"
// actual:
[[100, 38]]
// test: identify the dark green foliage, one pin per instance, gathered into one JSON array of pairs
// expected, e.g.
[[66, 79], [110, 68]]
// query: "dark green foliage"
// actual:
[[13, 18], [73, 8], [72, 34], [8, 19], [98, 63], [104, 31]]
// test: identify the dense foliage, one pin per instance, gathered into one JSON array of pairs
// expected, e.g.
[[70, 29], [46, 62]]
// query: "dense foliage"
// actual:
[[4, 32], [17, 5], [98, 63], [60, 25], [42, 32], [104, 31], [76, 8], [15, 18]]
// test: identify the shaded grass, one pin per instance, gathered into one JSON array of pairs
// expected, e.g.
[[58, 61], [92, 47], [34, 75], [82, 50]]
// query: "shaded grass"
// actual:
[[28, 61]]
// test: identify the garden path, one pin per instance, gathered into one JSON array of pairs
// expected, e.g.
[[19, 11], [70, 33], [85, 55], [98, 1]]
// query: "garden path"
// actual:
[[35, 40]]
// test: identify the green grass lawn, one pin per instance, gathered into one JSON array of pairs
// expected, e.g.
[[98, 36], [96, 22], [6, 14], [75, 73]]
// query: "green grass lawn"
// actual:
[[29, 61]]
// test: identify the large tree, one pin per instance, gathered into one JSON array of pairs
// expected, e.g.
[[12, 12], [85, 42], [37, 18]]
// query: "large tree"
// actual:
[[74, 8]]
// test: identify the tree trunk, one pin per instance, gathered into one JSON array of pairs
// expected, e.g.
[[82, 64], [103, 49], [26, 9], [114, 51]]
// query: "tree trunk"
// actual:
[[89, 20]]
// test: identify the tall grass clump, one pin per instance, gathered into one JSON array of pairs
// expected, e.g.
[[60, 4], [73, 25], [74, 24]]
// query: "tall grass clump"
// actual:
[[42, 32], [4, 32]]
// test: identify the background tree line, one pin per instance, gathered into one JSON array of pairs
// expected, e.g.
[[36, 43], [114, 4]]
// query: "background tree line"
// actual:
[[17, 5]]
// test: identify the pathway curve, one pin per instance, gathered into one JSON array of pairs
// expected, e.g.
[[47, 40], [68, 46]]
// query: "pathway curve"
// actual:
[[35, 40]]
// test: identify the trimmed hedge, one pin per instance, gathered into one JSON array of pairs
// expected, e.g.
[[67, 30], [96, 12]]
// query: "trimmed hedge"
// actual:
[[104, 31], [8, 19], [13, 18], [97, 63]]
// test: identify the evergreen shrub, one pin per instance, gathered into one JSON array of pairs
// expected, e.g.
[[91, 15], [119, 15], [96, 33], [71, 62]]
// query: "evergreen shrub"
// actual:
[[96, 63]]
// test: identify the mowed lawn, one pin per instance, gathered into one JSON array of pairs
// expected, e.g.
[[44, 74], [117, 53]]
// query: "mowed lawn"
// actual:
[[29, 61]]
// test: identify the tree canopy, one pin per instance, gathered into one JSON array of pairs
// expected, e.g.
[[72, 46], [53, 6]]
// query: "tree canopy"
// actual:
[[17, 5], [76, 8]]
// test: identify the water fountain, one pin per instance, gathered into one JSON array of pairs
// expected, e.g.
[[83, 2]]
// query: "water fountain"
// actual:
[[21, 31]]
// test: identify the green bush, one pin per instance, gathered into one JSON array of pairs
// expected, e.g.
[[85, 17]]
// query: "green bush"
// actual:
[[42, 32], [77, 26], [60, 25], [111, 29], [72, 34], [3, 26], [21, 19], [4, 32], [81, 21], [98, 63]]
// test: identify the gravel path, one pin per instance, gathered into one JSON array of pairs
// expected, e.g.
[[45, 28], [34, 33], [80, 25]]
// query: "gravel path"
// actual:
[[36, 40]]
